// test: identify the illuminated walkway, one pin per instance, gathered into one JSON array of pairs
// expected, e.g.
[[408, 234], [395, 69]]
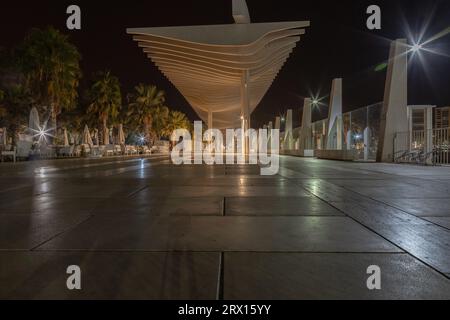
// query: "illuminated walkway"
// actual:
[[146, 229]]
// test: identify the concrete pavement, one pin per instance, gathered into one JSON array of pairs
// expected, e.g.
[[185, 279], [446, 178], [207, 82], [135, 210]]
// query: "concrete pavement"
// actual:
[[145, 229]]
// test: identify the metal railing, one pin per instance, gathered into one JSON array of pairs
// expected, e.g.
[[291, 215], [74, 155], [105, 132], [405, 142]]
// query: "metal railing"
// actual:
[[423, 147], [441, 139]]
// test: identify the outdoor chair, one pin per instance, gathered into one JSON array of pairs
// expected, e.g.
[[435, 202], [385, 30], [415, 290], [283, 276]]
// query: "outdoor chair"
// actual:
[[77, 151], [85, 149], [109, 150], [8, 151], [130, 150], [162, 146], [118, 150], [95, 151], [71, 151], [102, 150], [44, 151], [24, 149], [146, 150]]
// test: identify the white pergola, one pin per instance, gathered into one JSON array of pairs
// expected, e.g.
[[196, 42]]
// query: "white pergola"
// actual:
[[223, 71]]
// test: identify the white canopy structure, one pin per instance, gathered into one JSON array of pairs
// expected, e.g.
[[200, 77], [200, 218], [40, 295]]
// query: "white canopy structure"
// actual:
[[223, 71]]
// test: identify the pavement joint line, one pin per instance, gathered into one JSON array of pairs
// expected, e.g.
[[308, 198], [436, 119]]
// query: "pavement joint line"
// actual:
[[340, 215], [209, 251], [132, 194], [224, 204], [88, 165], [119, 171], [220, 277], [35, 248], [402, 176], [395, 207], [439, 216]]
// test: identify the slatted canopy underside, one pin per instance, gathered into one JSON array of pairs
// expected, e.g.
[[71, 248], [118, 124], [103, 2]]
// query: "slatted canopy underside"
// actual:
[[207, 63]]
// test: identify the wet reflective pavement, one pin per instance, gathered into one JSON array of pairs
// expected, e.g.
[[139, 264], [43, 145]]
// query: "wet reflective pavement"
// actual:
[[145, 229]]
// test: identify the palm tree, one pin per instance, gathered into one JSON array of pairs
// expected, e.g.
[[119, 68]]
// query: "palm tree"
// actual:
[[2, 109], [176, 120], [160, 117], [105, 99], [141, 107], [16, 106], [50, 64], [75, 120]]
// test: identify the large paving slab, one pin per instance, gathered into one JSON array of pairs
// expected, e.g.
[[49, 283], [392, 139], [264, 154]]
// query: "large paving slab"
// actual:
[[118, 275], [218, 191], [441, 221], [314, 234], [276, 206], [92, 189], [158, 205], [407, 192], [48, 204], [221, 181], [381, 183], [422, 207], [301, 276], [22, 232]]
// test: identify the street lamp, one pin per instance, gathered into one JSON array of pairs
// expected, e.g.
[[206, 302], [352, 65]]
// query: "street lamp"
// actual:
[[416, 47]]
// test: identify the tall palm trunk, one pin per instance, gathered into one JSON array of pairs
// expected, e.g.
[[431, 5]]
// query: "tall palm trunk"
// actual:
[[147, 129], [104, 130], [53, 123], [100, 133]]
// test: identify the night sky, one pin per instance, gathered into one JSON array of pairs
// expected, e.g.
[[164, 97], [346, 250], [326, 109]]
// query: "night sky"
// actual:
[[337, 44]]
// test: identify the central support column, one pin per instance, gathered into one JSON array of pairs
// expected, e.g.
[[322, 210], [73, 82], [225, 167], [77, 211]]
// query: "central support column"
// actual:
[[245, 109], [210, 119], [210, 126]]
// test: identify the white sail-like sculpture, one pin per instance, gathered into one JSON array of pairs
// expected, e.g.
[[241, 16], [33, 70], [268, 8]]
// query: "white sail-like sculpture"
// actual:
[[34, 125], [87, 139]]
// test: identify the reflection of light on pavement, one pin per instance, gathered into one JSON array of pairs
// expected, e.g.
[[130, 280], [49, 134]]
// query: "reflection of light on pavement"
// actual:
[[141, 171], [243, 191], [40, 202], [315, 187], [44, 187], [41, 172]]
